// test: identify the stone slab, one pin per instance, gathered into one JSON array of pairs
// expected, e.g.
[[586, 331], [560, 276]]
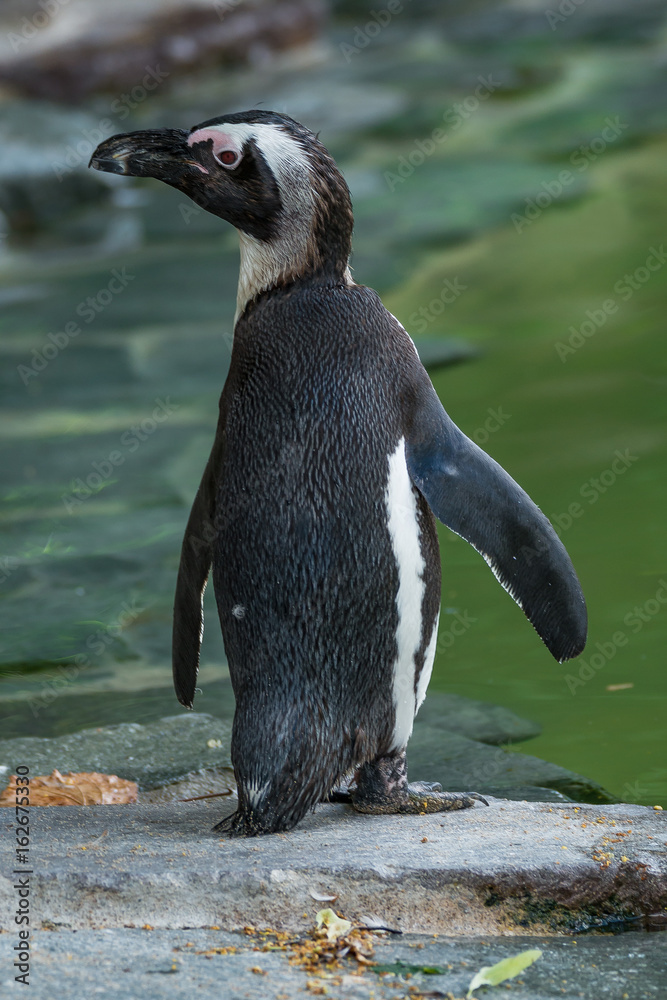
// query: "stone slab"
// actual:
[[128, 964], [151, 755], [509, 867]]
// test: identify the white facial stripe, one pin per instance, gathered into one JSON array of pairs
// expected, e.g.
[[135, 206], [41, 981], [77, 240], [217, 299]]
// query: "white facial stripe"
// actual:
[[403, 527], [280, 150], [264, 264]]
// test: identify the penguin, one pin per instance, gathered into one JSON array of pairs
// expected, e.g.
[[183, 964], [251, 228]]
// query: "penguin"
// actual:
[[333, 457]]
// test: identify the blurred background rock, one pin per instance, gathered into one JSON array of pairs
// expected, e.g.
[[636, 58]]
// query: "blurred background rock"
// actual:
[[507, 166]]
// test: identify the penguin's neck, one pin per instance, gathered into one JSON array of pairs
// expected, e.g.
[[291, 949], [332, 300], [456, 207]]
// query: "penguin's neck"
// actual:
[[296, 255]]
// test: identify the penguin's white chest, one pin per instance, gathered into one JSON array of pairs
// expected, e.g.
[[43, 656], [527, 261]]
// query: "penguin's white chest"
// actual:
[[403, 525]]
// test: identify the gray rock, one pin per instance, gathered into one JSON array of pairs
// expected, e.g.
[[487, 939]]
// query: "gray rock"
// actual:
[[140, 45], [133, 964], [436, 352], [44, 153], [462, 764], [478, 720], [152, 755], [507, 868]]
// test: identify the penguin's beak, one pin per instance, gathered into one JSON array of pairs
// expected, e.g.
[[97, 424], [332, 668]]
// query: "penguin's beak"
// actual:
[[162, 153]]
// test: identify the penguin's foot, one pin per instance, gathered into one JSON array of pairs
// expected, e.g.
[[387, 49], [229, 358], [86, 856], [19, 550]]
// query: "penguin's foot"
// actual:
[[382, 787], [419, 802], [236, 825]]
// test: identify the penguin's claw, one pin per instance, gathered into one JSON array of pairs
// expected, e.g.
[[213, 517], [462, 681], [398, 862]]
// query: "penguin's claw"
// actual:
[[439, 801]]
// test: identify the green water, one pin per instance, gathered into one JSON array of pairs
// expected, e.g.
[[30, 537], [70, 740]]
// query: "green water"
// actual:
[[87, 578]]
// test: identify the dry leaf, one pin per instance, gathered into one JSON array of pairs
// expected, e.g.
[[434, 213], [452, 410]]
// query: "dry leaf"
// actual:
[[83, 789], [334, 925]]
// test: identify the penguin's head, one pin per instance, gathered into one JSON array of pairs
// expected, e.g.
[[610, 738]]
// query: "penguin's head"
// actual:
[[268, 176]]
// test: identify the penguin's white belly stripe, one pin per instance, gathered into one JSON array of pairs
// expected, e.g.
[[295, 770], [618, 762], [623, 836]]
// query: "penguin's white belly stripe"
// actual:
[[403, 527], [429, 657]]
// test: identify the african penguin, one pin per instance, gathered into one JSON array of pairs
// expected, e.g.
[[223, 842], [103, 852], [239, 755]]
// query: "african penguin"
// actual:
[[316, 509]]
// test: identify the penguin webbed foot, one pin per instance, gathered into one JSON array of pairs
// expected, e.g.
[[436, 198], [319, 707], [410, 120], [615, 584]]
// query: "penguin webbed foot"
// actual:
[[382, 787], [418, 800]]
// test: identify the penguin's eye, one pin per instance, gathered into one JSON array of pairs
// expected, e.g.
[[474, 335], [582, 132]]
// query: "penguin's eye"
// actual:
[[228, 157]]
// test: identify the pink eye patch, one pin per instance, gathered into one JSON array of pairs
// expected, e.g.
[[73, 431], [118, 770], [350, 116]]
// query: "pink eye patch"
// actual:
[[225, 147]]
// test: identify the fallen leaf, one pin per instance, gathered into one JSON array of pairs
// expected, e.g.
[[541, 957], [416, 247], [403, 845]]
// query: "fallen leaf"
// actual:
[[508, 968], [334, 925], [83, 789]]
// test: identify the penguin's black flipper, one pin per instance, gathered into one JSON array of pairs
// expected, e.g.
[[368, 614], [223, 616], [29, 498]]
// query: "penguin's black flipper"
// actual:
[[478, 500], [195, 565]]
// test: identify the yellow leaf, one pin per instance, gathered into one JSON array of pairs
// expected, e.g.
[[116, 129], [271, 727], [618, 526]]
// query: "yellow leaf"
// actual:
[[508, 968]]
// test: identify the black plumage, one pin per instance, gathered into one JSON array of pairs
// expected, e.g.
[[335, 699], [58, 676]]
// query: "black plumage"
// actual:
[[315, 511]]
